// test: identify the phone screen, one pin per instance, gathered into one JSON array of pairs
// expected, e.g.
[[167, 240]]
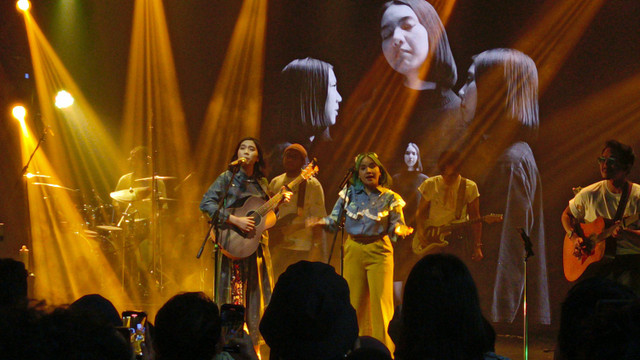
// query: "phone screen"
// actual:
[[232, 319], [136, 323]]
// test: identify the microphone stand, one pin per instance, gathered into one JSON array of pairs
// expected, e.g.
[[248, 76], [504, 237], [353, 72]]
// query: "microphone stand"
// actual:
[[214, 227], [26, 166], [344, 185], [26, 192], [528, 248]]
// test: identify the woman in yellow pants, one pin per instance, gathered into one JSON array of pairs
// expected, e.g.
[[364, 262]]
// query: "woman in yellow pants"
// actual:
[[373, 220]]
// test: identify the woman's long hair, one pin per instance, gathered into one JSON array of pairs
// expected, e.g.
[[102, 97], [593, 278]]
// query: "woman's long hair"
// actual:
[[260, 165], [441, 316], [441, 65]]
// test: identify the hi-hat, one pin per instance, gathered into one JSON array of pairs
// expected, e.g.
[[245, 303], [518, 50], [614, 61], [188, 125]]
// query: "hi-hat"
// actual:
[[159, 177], [132, 194]]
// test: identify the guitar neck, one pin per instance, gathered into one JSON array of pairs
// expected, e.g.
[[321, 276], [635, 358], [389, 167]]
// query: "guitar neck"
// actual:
[[463, 224], [606, 233], [275, 200]]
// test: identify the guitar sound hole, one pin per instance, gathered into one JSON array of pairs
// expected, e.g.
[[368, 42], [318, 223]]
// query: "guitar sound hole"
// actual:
[[256, 218]]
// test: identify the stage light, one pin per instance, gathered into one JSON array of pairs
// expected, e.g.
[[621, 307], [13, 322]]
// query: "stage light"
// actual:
[[63, 99], [19, 112], [23, 5]]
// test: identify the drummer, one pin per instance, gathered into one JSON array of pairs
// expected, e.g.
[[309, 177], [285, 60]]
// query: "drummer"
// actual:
[[133, 205], [139, 182]]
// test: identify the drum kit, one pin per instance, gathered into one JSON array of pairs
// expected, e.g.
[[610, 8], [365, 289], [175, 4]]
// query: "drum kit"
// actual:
[[116, 233]]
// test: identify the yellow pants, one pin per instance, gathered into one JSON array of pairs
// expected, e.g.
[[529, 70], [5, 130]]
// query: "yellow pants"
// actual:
[[368, 269]]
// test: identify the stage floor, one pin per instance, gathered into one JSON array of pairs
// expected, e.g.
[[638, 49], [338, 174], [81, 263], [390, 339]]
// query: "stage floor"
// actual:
[[541, 346]]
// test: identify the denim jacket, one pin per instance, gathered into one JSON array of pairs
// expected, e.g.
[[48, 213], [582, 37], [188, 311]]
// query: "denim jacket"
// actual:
[[240, 190], [377, 213]]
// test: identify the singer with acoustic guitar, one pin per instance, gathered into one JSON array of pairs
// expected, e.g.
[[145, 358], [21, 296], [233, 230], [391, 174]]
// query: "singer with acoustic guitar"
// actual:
[[607, 243], [245, 278]]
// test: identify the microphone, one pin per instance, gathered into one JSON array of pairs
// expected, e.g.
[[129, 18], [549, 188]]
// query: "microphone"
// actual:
[[528, 246], [238, 161], [347, 177]]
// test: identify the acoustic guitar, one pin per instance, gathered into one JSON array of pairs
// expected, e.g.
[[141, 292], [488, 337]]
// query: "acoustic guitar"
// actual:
[[594, 248], [435, 236], [237, 244]]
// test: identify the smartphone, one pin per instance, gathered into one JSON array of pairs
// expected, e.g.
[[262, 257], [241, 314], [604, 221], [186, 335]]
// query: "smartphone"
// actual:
[[232, 321], [136, 323]]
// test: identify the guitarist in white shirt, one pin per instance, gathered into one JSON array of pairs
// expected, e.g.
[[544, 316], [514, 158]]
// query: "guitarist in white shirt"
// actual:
[[440, 204], [601, 200], [290, 241]]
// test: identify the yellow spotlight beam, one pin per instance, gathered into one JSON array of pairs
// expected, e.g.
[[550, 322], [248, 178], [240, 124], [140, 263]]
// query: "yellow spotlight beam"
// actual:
[[68, 262], [596, 119], [557, 30], [154, 117], [152, 97], [88, 154], [236, 104]]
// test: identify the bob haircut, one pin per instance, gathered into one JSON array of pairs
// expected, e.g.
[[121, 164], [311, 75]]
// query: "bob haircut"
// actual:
[[303, 95], [418, 166], [441, 316], [516, 77], [385, 178], [443, 67], [260, 165]]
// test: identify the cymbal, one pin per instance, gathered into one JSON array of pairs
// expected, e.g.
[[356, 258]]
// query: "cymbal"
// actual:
[[132, 194], [159, 177], [108, 228], [54, 186], [162, 198]]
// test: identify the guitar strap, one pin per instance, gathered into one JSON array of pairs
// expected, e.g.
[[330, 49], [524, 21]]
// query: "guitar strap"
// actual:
[[623, 202], [263, 185], [611, 244], [302, 188], [460, 198]]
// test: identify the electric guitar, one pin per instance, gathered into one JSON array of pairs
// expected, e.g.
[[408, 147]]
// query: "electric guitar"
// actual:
[[594, 247], [435, 236], [237, 244]]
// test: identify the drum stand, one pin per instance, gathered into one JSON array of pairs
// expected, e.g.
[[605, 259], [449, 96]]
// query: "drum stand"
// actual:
[[123, 246]]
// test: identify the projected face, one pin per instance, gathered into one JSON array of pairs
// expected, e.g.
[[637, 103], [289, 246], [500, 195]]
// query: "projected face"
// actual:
[[248, 150], [405, 44], [469, 94], [369, 173], [411, 158], [333, 99]]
